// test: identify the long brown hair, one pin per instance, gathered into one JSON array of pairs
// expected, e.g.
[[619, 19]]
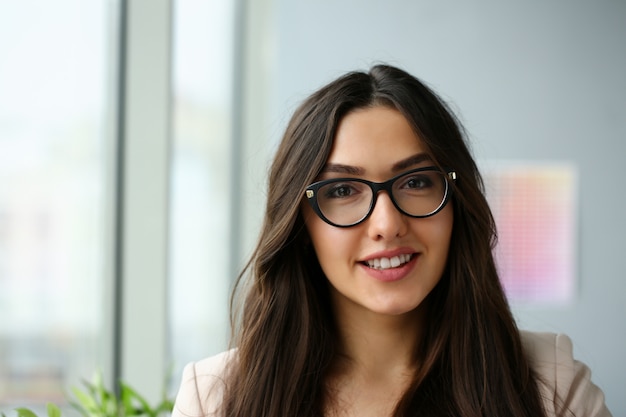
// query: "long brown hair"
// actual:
[[471, 359]]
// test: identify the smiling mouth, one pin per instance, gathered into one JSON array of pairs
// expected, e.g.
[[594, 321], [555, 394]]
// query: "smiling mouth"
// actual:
[[389, 263]]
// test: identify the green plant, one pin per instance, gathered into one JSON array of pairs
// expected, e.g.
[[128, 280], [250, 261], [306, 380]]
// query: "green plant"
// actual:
[[95, 400], [53, 411]]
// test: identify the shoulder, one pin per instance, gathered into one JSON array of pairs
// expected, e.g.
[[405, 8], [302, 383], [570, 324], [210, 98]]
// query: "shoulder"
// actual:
[[565, 383], [202, 386]]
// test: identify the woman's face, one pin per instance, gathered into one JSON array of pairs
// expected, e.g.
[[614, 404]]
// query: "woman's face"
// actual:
[[377, 144]]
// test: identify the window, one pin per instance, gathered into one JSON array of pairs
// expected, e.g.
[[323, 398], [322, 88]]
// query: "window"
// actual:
[[55, 206], [200, 241]]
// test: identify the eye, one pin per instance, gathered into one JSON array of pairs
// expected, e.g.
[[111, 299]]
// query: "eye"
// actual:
[[417, 182], [340, 190]]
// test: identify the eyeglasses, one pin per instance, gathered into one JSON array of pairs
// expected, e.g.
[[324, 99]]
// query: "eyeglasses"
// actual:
[[345, 202]]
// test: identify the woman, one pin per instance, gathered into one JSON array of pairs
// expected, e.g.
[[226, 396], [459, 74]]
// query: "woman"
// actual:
[[373, 290]]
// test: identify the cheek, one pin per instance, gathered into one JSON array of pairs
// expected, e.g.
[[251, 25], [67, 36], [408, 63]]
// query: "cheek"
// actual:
[[333, 246], [329, 242], [439, 233]]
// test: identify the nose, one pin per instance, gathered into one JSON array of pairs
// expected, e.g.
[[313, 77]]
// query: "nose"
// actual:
[[386, 222]]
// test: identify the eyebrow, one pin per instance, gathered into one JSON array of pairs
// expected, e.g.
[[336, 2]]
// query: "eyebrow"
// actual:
[[398, 166], [410, 161], [343, 169]]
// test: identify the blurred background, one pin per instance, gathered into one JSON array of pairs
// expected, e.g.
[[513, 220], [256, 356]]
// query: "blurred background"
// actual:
[[135, 137]]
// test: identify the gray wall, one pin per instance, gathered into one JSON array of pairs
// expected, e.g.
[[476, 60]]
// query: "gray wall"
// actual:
[[531, 80]]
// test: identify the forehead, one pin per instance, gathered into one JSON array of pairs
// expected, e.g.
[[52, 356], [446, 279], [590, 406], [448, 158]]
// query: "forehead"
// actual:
[[374, 139]]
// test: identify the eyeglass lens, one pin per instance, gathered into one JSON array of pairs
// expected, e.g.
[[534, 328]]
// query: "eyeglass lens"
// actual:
[[417, 194]]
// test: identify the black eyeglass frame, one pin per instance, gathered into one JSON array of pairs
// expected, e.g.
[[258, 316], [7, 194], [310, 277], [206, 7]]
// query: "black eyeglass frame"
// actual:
[[377, 187]]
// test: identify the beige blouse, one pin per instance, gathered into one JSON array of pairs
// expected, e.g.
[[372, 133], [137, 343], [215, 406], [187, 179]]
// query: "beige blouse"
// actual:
[[565, 384]]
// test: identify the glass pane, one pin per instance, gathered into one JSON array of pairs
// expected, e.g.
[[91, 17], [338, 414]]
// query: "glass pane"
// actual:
[[54, 169], [199, 281]]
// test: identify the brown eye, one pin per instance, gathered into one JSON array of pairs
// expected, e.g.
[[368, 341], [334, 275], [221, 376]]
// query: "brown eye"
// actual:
[[340, 190], [418, 182]]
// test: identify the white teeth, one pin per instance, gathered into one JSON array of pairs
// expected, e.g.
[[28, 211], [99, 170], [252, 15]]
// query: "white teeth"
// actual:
[[386, 263]]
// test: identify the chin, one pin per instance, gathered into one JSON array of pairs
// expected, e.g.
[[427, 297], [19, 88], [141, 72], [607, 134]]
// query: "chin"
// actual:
[[397, 309]]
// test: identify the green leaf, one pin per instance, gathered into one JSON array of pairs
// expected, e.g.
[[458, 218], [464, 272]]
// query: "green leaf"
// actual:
[[85, 400], [130, 397], [93, 399], [53, 410], [25, 412]]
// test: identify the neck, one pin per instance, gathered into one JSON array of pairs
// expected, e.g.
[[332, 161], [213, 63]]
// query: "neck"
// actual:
[[376, 345]]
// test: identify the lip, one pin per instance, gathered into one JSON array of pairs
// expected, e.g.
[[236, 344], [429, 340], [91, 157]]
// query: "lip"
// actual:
[[392, 274]]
